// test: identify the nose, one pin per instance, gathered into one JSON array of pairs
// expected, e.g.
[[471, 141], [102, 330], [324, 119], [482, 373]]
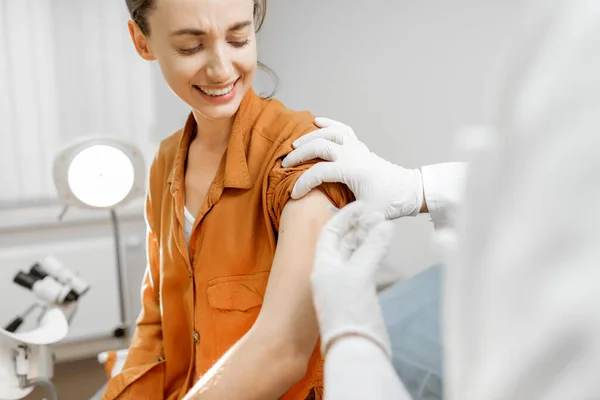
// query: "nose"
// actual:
[[220, 67]]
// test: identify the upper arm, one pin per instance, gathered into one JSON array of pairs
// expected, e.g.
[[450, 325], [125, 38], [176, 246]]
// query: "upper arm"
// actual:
[[287, 313]]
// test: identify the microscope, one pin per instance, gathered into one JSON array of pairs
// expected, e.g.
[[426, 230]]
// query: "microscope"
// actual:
[[26, 359]]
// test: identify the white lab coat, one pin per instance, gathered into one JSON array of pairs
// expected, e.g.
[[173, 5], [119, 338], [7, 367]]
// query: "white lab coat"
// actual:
[[443, 185], [522, 290]]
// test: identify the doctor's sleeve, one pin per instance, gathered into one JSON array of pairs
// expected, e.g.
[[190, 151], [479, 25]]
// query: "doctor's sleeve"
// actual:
[[443, 186]]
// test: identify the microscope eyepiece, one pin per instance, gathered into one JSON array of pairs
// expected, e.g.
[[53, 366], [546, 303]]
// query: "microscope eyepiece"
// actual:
[[37, 271], [25, 280]]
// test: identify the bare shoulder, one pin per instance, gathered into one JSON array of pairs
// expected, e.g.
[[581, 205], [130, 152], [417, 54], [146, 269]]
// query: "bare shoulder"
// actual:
[[313, 210]]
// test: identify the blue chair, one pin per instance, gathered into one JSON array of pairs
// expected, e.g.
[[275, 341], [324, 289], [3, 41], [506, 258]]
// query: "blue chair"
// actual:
[[411, 310]]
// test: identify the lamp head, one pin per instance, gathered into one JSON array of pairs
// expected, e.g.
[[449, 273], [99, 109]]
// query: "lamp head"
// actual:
[[99, 172]]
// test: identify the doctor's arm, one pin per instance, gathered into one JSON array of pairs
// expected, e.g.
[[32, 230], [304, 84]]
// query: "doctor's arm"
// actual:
[[354, 338], [356, 368], [275, 353]]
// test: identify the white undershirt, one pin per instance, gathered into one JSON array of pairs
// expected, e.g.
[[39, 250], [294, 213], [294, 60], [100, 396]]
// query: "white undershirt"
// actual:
[[188, 224]]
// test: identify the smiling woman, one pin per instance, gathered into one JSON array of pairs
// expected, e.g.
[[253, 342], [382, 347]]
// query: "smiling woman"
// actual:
[[200, 50], [227, 305]]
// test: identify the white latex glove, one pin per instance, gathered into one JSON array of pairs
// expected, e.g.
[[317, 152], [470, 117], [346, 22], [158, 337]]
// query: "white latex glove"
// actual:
[[398, 190], [348, 253]]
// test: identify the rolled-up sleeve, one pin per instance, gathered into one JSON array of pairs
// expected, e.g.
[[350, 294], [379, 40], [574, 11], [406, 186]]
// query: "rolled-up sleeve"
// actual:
[[281, 181]]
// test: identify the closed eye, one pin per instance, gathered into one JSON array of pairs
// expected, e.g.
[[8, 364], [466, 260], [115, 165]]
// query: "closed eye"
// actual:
[[239, 44], [200, 47], [191, 51]]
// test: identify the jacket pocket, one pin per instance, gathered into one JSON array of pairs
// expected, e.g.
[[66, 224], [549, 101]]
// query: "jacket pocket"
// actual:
[[235, 302], [144, 381]]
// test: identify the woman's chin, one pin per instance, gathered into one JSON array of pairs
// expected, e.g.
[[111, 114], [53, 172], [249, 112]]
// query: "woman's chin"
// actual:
[[216, 113]]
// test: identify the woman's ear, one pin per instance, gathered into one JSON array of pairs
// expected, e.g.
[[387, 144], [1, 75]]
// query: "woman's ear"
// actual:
[[140, 41]]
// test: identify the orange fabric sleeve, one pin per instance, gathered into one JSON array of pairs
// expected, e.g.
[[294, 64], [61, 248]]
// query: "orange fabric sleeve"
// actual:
[[142, 376], [281, 182], [110, 363]]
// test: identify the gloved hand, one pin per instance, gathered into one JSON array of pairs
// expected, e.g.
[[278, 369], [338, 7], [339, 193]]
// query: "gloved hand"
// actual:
[[398, 190], [350, 248]]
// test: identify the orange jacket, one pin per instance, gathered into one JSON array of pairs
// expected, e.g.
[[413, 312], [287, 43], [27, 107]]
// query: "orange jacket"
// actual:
[[198, 302]]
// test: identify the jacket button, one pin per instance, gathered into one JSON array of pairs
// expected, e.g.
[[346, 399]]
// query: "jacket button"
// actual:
[[196, 337]]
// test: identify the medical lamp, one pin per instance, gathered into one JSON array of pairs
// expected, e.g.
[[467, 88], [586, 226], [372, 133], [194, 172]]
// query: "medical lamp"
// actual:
[[101, 173]]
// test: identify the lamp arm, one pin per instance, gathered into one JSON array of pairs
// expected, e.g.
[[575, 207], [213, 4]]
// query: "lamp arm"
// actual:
[[63, 212], [122, 330]]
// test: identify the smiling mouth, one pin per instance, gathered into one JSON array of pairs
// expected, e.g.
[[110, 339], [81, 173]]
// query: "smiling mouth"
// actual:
[[216, 92]]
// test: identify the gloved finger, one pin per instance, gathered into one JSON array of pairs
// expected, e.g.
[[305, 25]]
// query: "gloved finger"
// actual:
[[347, 243], [323, 122], [302, 140], [315, 176], [318, 148], [366, 220], [372, 216], [338, 134], [335, 134], [339, 233], [334, 235], [374, 248], [343, 221], [345, 229]]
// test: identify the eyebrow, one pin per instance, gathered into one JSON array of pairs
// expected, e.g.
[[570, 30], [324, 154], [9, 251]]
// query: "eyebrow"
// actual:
[[198, 32]]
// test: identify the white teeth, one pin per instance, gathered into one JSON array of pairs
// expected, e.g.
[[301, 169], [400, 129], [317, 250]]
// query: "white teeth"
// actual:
[[218, 92]]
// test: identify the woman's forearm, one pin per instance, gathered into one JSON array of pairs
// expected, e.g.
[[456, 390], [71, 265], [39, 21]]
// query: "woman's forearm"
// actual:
[[254, 368]]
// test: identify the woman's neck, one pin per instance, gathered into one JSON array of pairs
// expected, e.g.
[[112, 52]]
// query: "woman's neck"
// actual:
[[212, 134]]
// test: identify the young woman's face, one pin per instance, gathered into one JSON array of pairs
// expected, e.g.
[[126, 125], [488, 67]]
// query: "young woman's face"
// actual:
[[206, 50]]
